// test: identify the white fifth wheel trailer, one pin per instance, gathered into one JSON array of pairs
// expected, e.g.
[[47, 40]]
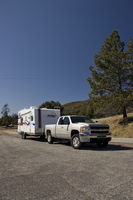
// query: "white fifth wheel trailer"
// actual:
[[32, 121]]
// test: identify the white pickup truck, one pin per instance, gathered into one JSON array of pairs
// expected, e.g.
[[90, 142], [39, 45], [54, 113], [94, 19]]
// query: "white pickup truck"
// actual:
[[78, 130]]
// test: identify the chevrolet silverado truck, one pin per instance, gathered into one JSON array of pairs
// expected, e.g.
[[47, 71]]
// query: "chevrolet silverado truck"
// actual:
[[78, 130]]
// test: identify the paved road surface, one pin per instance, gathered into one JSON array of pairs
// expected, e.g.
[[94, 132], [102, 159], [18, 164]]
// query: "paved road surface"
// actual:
[[122, 140], [32, 169]]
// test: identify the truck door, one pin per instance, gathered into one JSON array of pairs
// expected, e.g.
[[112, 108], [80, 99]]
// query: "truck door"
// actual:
[[65, 130], [59, 128]]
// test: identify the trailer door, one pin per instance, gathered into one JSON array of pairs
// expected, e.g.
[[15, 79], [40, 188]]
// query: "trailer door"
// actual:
[[27, 123], [32, 124]]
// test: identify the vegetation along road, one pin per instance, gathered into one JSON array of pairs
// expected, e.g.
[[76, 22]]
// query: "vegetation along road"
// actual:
[[33, 169]]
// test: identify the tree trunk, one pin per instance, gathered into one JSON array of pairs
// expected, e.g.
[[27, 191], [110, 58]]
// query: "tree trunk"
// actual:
[[124, 112]]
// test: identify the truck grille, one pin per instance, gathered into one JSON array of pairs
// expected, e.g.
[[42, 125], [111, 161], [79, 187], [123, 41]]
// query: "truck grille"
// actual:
[[99, 129]]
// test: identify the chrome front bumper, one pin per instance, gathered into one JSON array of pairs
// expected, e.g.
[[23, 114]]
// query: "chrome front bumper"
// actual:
[[86, 137]]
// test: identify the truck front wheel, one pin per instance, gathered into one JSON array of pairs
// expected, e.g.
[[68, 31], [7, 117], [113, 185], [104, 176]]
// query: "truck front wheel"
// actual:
[[50, 138], [75, 142]]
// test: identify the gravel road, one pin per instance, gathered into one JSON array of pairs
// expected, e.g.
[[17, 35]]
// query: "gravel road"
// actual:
[[32, 169]]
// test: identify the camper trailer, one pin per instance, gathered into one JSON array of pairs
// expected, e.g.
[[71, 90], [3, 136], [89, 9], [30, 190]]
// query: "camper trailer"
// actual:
[[32, 121]]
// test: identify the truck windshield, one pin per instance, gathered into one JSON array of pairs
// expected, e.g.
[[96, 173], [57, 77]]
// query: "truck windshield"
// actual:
[[76, 119]]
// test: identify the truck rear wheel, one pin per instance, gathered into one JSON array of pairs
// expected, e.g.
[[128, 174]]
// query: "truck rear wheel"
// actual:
[[50, 138], [102, 144], [75, 142]]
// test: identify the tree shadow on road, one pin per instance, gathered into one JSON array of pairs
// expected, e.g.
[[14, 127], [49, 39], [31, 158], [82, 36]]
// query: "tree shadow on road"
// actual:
[[110, 147], [90, 146], [38, 139]]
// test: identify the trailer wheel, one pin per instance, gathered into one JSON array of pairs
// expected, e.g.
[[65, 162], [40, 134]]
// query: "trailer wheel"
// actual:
[[75, 142], [50, 138], [23, 135]]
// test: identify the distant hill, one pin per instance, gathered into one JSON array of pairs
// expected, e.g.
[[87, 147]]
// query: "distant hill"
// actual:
[[75, 108], [117, 127], [86, 108]]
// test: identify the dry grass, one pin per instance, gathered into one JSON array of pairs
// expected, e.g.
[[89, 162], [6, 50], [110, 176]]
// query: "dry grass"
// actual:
[[12, 129], [119, 128]]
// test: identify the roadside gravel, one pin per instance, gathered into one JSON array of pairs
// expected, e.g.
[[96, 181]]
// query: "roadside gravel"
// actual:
[[121, 140], [33, 169]]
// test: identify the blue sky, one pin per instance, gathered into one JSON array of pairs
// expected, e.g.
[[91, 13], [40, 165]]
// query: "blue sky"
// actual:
[[47, 46]]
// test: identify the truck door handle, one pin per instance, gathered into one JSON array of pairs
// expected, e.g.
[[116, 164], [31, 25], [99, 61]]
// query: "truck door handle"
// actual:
[[62, 127]]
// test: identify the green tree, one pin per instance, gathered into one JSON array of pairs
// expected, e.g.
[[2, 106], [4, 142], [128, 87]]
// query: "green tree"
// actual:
[[51, 105], [5, 118], [112, 78], [14, 119], [90, 110]]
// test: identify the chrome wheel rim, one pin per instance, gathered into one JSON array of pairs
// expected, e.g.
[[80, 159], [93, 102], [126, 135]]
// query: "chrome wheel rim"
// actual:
[[49, 138], [75, 141]]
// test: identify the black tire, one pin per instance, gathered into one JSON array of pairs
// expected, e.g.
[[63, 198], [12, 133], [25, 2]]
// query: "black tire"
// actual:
[[50, 139], [102, 144], [23, 135], [75, 142]]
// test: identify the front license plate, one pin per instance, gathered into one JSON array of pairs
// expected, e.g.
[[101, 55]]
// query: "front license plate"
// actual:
[[101, 136]]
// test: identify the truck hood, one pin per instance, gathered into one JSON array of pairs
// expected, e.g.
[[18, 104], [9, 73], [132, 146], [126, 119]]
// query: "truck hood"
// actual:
[[83, 124], [93, 124]]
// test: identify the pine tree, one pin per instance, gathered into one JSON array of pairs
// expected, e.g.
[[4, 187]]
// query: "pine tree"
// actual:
[[112, 78], [5, 117]]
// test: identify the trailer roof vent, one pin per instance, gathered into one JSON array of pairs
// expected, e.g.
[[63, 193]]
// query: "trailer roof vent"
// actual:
[[33, 107]]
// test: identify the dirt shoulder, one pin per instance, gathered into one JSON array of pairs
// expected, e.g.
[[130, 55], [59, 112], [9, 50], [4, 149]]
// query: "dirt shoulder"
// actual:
[[9, 131], [116, 141], [118, 128]]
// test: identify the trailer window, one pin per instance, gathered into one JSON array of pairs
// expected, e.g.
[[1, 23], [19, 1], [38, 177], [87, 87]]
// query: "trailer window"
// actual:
[[21, 120], [31, 118]]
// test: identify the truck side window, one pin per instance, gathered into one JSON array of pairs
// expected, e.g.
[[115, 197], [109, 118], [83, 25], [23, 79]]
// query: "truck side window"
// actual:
[[66, 120], [61, 121]]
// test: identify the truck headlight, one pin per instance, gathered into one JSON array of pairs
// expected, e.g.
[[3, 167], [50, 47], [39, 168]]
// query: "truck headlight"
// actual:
[[84, 129]]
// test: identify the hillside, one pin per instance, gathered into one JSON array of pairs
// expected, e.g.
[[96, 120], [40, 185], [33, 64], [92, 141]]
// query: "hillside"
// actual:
[[77, 107], [86, 108], [109, 116], [118, 128]]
